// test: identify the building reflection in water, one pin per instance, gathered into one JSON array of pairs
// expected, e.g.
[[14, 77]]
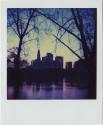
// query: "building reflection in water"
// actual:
[[46, 90]]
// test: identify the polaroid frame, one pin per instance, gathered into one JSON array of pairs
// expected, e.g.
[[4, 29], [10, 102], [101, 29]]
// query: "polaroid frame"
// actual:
[[52, 112]]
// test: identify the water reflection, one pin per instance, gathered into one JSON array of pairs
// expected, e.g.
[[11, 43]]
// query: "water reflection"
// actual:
[[46, 90]]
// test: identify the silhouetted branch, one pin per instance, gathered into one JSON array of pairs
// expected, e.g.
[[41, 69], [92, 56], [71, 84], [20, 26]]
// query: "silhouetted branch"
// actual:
[[67, 46], [59, 25], [13, 17], [66, 23], [14, 29], [31, 30], [79, 24], [17, 23], [78, 49], [28, 41], [28, 22], [75, 19], [64, 31]]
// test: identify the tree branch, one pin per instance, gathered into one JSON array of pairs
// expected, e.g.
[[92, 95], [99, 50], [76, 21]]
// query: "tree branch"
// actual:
[[59, 25], [67, 46], [28, 23], [16, 24], [28, 41], [30, 30], [75, 19], [10, 25]]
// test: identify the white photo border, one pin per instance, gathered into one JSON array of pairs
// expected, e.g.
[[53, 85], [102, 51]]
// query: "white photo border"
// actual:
[[50, 112]]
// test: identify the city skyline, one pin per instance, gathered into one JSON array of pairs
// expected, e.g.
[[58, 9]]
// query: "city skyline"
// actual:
[[43, 59], [47, 62], [44, 39]]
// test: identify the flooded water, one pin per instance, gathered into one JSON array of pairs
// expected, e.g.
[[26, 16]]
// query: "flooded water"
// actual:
[[50, 90]]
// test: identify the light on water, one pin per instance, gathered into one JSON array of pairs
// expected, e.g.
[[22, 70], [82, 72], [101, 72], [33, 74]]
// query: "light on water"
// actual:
[[62, 90]]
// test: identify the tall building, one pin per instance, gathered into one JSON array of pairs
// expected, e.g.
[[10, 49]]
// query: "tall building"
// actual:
[[59, 61], [80, 65], [48, 58], [38, 55], [36, 64], [68, 65], [48, 61]]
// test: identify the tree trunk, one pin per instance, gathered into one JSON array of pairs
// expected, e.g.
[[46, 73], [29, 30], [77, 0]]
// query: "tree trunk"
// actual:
[[17, 59], [85, 47]]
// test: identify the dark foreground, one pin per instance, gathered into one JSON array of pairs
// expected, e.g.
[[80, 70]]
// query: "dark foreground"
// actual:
[[49, 85]]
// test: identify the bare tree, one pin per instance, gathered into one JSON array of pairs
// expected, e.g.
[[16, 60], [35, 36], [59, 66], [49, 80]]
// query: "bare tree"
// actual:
[[19, 21]]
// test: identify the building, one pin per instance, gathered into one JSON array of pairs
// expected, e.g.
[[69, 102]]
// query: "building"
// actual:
[[36, 64], [48, 58], [80, 65], [59, 62], [68, 65], [47, 62], [38, 56]]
